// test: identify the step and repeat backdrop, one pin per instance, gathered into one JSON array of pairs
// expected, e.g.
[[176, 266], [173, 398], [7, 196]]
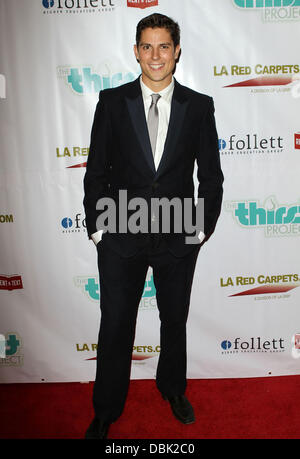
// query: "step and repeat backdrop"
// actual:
[[56, 55]]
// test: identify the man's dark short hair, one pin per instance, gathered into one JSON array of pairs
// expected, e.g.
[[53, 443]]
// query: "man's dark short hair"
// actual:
[[161, 21]]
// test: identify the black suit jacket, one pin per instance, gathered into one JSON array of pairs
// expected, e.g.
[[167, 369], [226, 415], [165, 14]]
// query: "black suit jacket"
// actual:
[[120, 158]]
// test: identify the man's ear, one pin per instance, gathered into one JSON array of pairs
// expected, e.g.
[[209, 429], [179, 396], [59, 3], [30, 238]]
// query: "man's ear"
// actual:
[[177, 52], [136, 53]]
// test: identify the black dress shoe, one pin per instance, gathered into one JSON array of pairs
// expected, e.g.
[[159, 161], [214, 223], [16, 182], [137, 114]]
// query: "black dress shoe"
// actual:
[[97, 430], [182, 409]]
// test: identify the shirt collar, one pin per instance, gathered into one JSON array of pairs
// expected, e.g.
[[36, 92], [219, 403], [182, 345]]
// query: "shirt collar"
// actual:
[[166, 93]]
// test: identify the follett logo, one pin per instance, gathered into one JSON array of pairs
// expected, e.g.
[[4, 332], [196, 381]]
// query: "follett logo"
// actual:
[[73, 226], [141, 3], [250, 144], [254, 344], [297, 141], [48, 3], [77, 6]]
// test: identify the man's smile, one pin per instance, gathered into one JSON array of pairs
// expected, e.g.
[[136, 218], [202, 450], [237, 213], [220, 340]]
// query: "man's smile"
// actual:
[[156, 66]]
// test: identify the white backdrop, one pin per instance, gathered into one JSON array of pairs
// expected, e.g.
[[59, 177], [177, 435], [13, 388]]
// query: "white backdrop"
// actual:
[[55, 57]]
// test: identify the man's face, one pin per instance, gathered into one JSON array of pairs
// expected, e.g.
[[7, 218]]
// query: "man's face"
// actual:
[[157, 56]]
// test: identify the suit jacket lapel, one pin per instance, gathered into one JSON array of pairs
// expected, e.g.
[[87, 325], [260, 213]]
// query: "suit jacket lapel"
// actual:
[[177, 115], [136, 110]]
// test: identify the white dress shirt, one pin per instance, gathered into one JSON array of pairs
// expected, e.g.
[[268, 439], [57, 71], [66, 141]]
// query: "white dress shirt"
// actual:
[[164, 110]]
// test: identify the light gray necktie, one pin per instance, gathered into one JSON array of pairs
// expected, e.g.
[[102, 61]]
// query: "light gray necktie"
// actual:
[[153, 121]]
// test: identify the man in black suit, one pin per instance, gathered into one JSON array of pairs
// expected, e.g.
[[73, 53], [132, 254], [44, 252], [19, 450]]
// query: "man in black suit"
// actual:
[[146, 137]]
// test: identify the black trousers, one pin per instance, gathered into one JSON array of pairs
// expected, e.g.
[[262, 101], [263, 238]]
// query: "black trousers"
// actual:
[[121, 287]]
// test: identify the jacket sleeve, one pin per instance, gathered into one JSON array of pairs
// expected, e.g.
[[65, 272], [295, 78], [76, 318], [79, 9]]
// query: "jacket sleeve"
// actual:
[[96, 176], [209, 172]]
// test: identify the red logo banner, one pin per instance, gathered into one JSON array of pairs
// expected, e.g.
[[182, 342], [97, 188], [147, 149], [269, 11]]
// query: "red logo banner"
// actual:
[[10, 282], [142, 3], [297, 341]]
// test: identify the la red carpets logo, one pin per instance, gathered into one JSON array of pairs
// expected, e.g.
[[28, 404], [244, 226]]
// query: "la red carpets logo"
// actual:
[[263, 81], [267, 289], [142, 3], [77, 165]]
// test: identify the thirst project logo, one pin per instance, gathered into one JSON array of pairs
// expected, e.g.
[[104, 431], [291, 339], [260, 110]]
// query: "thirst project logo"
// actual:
[[272, 10], [86, 80], [276, 219], [11, 354]]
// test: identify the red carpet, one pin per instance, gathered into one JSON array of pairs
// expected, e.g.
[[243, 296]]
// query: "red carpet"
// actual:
[[255, 408]]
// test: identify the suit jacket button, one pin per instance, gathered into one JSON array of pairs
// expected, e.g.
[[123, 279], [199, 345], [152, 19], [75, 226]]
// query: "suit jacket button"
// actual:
[[155, 185]]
